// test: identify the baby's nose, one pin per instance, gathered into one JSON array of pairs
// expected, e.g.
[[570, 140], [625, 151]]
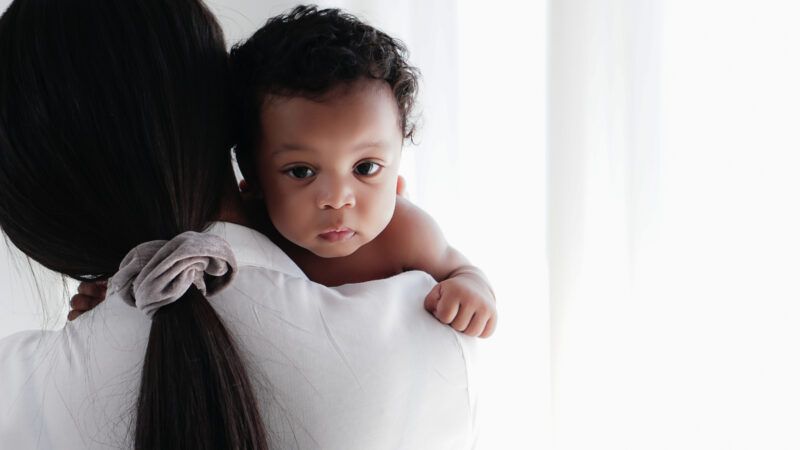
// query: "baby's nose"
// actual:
[[336, 195]]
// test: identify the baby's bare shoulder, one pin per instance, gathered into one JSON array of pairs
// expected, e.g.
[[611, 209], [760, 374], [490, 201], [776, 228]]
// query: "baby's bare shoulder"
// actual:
[[407, 222], [408, 234], [411, 218]]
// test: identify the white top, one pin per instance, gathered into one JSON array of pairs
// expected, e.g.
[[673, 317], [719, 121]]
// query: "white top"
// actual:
[[361, 366]]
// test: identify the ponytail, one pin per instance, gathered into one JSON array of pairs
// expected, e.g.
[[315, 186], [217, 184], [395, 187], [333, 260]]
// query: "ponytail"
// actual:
[[195, 393]]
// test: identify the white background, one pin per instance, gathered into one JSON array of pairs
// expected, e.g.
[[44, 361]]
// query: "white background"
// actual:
[[673, 223]]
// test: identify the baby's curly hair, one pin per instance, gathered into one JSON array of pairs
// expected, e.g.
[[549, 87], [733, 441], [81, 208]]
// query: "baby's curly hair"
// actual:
[[309, 51]]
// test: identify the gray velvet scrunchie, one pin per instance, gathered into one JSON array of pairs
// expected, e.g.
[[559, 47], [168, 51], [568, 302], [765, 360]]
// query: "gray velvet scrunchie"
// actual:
[[157, 273]]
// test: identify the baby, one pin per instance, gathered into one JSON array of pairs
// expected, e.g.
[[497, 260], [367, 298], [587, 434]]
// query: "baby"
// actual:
[[325, 102]]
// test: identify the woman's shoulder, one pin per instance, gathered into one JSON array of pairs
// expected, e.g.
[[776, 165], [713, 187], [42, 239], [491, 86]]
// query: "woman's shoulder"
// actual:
[[72, 387], [371, 343], [253, 248]]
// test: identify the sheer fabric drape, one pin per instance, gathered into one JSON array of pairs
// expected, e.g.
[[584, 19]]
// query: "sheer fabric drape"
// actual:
[[672, 223]]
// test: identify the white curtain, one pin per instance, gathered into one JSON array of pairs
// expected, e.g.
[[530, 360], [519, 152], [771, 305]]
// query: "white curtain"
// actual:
[[672, 224]]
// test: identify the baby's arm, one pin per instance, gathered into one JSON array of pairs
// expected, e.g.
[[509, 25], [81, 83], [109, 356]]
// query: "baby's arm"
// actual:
[[463, 298]]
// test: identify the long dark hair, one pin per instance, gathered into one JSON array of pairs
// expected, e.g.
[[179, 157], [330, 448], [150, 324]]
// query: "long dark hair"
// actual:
[[115, 130]]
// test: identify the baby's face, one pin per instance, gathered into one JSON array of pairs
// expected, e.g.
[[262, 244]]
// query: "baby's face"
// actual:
[[328, 169]]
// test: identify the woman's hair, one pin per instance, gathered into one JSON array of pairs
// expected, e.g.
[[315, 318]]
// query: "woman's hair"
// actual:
[[115, 129], [309, 51]]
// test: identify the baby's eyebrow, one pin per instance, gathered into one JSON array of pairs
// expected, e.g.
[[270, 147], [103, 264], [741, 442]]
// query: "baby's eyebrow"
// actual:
[[371, 144], [283, 148], [291, 147]]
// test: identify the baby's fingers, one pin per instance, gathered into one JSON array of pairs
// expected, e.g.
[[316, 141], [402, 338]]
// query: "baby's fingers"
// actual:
[[478, 324], [72, 315], [83, 302], [464, 317], [89, 295], [93, 289], [446, 311], [80, 303], [489, 329], [432, 298]]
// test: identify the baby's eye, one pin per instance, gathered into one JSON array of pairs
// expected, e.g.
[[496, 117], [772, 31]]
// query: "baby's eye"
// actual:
[[368, 168], [300, 172]]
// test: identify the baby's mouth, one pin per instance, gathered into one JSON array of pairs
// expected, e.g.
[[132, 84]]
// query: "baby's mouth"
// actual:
[[337, 234]]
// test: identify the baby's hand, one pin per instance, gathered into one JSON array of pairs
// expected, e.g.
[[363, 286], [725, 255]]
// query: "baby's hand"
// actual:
[[465, 304], [89, 295]]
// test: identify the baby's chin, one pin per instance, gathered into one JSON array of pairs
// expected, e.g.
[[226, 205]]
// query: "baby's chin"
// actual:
[[335, 249], [338, 250]]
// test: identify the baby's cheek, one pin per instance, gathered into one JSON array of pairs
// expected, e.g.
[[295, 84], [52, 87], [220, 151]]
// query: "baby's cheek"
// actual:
[[384, 210], [282, 216]]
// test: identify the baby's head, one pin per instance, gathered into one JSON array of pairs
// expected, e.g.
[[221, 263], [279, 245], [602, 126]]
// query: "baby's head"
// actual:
[[326, 103]]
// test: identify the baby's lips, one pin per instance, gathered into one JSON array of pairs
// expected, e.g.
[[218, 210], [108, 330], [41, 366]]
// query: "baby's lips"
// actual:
[[337, 234]]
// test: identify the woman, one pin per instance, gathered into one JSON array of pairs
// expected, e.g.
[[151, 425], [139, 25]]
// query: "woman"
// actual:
[[114, 164]]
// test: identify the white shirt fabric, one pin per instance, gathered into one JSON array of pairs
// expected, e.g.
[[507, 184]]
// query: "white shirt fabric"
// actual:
[[361, 366]]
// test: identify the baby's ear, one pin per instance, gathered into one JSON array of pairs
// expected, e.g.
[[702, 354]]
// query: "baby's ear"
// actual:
[[401, 187]]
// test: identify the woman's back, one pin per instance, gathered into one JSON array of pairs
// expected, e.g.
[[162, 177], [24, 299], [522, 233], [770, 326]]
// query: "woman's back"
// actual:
[[360, 366]]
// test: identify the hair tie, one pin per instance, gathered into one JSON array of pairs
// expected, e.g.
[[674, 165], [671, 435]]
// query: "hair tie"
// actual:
[[156, 273]]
